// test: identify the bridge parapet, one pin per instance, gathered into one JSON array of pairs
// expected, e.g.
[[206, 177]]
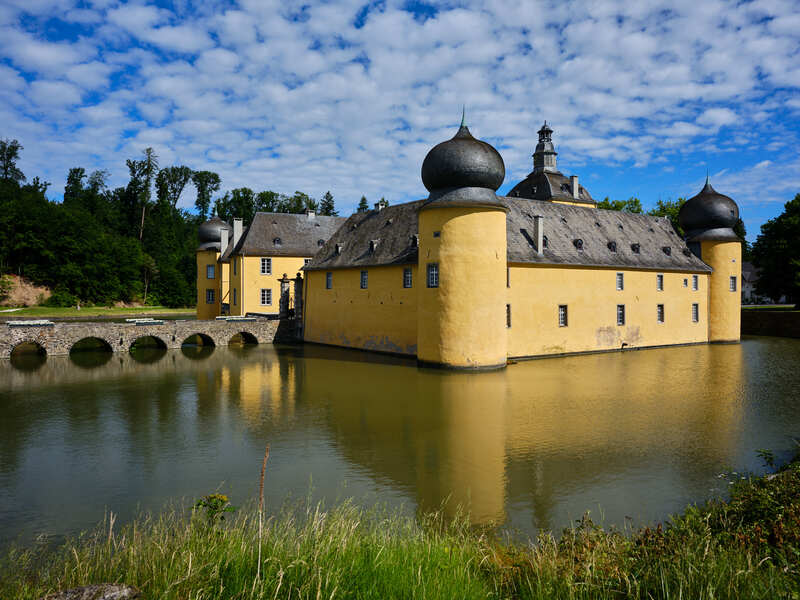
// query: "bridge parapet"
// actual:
[[59, 338]]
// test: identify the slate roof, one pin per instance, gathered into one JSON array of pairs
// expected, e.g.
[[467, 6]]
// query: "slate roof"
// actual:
[[284, 234], [549, 185], [394, 228]]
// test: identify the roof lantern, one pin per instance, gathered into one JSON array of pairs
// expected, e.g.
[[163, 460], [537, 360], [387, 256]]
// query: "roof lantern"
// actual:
[[709, 216], [544, 157]]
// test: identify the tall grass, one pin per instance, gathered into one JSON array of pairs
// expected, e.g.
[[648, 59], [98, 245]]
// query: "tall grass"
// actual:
[[748, 547]]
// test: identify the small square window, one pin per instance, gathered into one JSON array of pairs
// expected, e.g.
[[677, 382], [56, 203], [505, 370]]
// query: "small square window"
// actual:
[[266, 266], [306, 261], [732, 283], [562, 315], [685, 282], [209, 271], [660, 282], [364, 280], [266, 297], [209, 296], [620, 281], [660, 313], [695, 313], [407, 277], [328, 280], [437, 234], [695, 282], [620, 314], [433, 275]]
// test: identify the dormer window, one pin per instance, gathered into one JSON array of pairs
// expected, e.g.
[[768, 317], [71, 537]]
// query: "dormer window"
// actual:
[[687, 252], [277, 241], [339, 248], [635, 248], [415, 240], [563, 219], [651, 230], [545, 242], [320, 243], [597, 223], [373, 245], [620, 227], [667, 250], [578, 243], [612, 246]]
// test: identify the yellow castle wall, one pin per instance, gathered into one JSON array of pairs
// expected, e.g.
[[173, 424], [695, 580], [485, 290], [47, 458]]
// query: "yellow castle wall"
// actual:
[[248, 282], [204, 258], [726, 305], [382, 317], [591, 297]]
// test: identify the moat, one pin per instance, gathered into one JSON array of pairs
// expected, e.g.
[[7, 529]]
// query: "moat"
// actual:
[[631, 436]]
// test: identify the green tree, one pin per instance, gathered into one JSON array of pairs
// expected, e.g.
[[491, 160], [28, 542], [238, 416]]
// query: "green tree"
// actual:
[[669, 209], [239, 203], [326, 206], [267, 201], [776, 254], [631, 205], [362, 204], [143, 172], [207, 184], [9, 154], [73, 190], [170, 182]]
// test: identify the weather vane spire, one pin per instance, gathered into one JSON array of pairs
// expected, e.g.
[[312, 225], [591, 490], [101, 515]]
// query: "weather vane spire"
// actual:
[[463, 114]]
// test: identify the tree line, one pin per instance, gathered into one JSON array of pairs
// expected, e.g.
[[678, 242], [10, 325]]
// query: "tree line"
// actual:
[[130, 244]]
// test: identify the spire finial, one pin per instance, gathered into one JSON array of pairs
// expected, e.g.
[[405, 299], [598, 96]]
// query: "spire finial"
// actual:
[[463, 114]]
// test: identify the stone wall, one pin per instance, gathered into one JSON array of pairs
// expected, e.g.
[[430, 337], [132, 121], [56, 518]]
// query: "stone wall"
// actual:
[[779, 323], [60, 337]]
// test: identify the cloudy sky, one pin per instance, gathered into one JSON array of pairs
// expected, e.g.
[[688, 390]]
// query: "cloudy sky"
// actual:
[[348, 96]]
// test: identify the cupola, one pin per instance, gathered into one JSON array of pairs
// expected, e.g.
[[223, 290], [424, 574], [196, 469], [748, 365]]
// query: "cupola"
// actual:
[[209, 234], [544, 157], [709, 216]]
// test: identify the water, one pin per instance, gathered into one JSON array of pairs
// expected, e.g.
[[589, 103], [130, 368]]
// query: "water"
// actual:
[[631, 437]]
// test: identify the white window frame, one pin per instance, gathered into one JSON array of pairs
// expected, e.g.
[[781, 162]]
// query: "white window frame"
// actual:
[[620, 314], [620, 281], [432, 271], [659, 313], [210, 296], [563, 315], [659, 282], [210, 271], [695, 312], [364, 280], [306, 261], [328, 280], [266, 297], [408, 281], [732, 283], [266, 266], [695, 283]]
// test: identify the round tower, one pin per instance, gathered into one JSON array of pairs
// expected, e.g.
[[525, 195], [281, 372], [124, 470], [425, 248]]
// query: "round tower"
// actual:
[[462, 257], [213, 236], [708, 220]]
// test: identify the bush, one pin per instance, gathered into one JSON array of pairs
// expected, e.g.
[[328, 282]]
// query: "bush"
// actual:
[[61, 298], [5, 286]]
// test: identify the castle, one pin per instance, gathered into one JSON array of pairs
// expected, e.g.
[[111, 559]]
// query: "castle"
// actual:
[[467, 279]]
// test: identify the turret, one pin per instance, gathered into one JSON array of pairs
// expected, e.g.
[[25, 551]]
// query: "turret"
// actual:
[[213, 236], [462, 256], [544, 156], [708, 220]]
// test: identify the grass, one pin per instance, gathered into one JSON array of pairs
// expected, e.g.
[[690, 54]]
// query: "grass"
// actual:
[[771, 307], [41, 312], [747, 547]]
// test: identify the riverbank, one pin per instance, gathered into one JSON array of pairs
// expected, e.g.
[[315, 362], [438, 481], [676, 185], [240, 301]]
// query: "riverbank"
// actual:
[[71, 313], [779, 321], [746, 547]]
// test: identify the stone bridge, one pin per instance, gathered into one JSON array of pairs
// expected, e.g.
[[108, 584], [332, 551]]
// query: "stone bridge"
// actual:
[[60, 337]]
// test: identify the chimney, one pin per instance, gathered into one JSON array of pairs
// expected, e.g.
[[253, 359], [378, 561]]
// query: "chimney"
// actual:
[[237, 231], [575, 188], [538, 234], [223, 242]]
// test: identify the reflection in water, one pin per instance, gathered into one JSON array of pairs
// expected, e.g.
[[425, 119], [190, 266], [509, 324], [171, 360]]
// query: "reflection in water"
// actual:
[[148, 350], [637, 434], [90, 353], [28, 356]]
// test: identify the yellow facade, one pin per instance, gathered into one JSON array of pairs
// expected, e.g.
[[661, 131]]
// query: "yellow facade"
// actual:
[[247, 280], [591, 298], [725, 298], [205, 309], [462, 321], [382, 317]]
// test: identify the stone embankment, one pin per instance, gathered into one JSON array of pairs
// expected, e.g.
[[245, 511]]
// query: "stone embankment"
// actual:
[[780, 323]]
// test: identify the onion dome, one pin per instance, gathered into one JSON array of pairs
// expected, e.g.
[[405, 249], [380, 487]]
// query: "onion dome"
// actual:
[[463, 171], [709, 216], [209, 234]]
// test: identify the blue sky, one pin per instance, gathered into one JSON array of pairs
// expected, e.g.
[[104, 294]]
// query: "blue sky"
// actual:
[[348, 96]]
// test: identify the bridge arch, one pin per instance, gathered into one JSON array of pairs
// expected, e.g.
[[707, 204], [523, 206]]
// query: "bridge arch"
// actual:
[[90, 352], [91, 343], [148, 341], [243, 338], [199, 339], [27, 355]]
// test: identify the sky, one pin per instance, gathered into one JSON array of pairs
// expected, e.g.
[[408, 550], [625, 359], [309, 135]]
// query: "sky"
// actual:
[[645, 98]]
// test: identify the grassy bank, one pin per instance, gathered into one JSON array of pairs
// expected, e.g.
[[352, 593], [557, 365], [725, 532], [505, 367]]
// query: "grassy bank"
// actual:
[[53, 312], [748, 547]]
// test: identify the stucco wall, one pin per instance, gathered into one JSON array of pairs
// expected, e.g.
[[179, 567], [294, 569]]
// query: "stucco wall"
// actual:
[[591, 298], [725, 318], [382, 317], [205, 258], [248, 282]]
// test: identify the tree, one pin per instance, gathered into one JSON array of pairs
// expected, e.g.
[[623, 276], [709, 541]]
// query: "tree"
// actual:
[[776, 254], [669, 209], [631, 205], [207, 184], [362, 204], [239, 203], [9, 154], [73, 190], [142, 173], [170, 183], [267, 201], [326, 206]]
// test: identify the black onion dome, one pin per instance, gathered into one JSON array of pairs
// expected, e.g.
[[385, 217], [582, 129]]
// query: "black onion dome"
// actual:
[[709, 216], [463, 161], [209, 234]]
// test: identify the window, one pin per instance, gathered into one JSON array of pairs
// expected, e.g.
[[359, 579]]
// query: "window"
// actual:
[[562, 315], [277, 241], [508, 316], [209, 271], [433, 275], [306, 261], [209, 296], [620, 281], [660, 313], [733, 283], [620, 314], [234, 296], [407, 277], [685, 282], [266, 297], [695, 282], [437, 234], [328, 280], [364, 280], [695, 312], [660, 282], [508, 277], [266, 266]]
